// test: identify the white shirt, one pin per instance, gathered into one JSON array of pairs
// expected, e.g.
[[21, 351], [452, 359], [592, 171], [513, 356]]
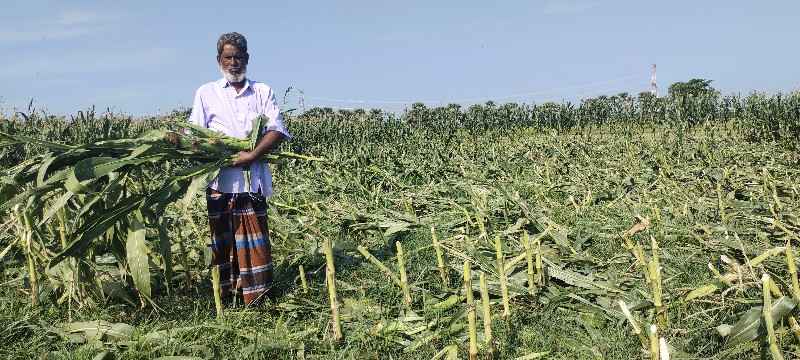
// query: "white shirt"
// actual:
[[217, 106]]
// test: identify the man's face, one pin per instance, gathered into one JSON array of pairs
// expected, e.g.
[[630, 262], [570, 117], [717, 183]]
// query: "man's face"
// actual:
[[233, 63]]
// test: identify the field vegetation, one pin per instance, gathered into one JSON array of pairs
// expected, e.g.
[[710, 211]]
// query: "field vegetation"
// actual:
[[621, 227]]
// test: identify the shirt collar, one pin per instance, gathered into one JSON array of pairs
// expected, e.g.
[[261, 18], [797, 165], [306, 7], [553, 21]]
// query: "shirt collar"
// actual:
[[247, 83]]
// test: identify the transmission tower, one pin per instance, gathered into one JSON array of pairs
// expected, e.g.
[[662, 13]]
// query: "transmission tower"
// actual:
[[653, 86]]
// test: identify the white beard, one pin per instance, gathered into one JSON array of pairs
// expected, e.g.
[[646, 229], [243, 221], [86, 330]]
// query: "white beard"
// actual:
[[234, 78]]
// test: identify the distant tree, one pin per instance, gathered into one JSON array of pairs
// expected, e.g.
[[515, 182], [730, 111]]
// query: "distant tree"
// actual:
[[454, 106], [418, 113], [646, 97], [647, 102], [694, 87], [376, 114]]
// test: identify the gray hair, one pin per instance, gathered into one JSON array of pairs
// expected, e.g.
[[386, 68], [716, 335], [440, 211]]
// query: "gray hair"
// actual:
[[232, 38]]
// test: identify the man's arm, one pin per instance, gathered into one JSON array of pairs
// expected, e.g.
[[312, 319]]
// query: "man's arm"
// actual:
[[271, 141]]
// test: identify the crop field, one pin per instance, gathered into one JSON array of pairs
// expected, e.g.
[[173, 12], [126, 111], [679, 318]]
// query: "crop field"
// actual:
[[617, 228]]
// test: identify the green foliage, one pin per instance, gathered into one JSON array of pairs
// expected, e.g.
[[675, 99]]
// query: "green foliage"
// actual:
[[694, 87], [715, 177]]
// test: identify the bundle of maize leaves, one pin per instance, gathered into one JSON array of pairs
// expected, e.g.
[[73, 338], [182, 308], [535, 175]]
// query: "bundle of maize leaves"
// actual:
[[100, 197]]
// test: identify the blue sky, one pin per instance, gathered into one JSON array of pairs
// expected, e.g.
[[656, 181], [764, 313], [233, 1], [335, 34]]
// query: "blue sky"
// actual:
[[149, 57]]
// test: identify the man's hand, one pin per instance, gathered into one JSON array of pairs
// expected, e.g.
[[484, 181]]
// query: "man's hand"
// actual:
[[244, 159], [270, 141]]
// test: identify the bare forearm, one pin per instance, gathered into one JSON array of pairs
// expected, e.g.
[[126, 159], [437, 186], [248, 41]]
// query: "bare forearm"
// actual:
[[270, 142]]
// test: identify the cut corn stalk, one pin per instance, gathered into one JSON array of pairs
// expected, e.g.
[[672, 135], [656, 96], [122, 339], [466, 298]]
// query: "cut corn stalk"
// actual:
[[487, 315], [640, 258], [303, 279], [215, 286], [380, 265], [663, 349], [401, 264], [526, 242], [792, 270], [539, 266], [439, 257], [636, 329], [655, 274], [654, 345], [330, 277], [473, 333], [771, 339], [498, 247], [724, 279], [26, 239]]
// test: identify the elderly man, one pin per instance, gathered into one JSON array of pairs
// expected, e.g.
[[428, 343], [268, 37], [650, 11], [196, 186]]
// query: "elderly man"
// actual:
[[237, 208]]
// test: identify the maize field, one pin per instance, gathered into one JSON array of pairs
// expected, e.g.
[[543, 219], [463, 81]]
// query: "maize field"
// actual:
[[616, 228]]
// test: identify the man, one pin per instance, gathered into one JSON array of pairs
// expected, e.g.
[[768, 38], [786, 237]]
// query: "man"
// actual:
[[237, 208]]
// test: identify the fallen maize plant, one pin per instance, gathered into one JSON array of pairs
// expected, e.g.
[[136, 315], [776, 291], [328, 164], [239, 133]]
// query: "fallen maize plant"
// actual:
[[614, 229]]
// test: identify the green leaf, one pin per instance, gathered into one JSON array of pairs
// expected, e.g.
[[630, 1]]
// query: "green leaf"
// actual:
[[750, 325], [533, 355], [73, 338], [256, 133], [57, 205], [115, 290], [23, 197], [202, 177], [40, 143], [450, 352], [43, 169], [100, 329], [136, 251], [700, 292], [95, 225], [88, 170], [165, 246]]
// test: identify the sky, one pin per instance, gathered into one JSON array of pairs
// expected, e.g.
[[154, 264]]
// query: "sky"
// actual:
[[148, 57]]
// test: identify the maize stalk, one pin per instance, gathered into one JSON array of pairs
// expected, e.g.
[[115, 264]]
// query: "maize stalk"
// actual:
[[26, 238], [526, 242], [330, 277], [636, 329], [215, 286], [720, 203], [792, 270], [502, 274], [655, 274], [439, 256], [487, 315], [654, 346], [401, 264], [380, 265], [539, 265], [303, 279], [771, 339], [473, 334]]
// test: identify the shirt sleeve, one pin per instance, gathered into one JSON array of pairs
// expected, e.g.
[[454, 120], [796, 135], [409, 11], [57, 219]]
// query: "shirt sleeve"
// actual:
[[273, 113], [198, 116]]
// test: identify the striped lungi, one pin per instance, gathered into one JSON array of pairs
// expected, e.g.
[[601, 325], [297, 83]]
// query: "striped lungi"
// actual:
[[240, 243]]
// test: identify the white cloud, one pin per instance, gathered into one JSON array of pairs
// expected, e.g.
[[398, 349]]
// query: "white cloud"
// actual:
[[78, 17], [69, 24], [95, 61], [10, 36], [572, 6]]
